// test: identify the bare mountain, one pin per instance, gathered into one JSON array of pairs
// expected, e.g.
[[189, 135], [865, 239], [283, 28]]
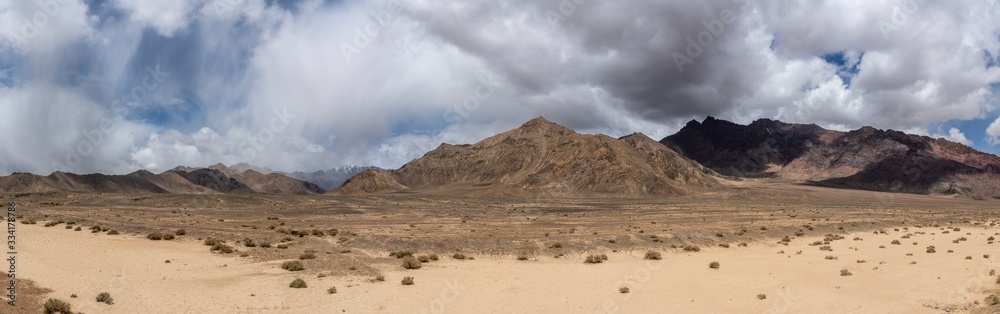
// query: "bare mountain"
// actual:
[[867, 158], [544, 158], [137, 182], [274, 183], [215, 180], [329, 179]]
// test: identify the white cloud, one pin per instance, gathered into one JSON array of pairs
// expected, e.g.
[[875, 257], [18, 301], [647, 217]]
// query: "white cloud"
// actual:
[[166, 16], [955, 135], [993, 133]]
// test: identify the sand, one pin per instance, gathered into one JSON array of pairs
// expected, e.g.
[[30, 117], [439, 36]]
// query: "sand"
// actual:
[[133, 270]]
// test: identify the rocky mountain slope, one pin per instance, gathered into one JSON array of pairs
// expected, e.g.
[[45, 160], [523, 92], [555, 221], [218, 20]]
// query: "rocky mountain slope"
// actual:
[[867, 158], [544, 158]]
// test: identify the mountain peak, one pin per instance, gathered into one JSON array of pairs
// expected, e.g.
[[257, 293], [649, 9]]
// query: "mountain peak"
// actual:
[[540, 124]]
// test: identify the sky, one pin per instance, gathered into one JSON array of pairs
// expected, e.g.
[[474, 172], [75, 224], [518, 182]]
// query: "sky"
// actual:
[[114, 86]]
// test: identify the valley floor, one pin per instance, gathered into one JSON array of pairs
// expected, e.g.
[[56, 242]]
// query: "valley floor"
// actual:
[[795, 278]]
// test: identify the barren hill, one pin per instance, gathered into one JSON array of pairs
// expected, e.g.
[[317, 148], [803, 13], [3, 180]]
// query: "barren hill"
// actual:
[[544, 158], [867, 158], [274, 183]]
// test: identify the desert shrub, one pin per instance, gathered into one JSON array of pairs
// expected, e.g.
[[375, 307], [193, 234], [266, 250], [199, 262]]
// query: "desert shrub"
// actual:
[[993, 300], [595, 259], [248, 242], [896, 242], [724, 245], [282, 246], [400, 254], [264, 244], [77, 228], [424, 258], [53, 306], [761, 296], [713, 265], [180, 232], [211, 242], [556, 245], [719, 234], [458, 256], [968, 257], [332, 290], [298, 283], [845, 272], [623, 290], [307, 255], [333, 232], [112, 232], [411, 262], [154, 236], [433, 257], [826, 248], [105, 297], [930, 249], [222, 248], [379, 278], [653, 255], [831, 257], [292, 266], [692, 248], [168, 236], [407, 281]]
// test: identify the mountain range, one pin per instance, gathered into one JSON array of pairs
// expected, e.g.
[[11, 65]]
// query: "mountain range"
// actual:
[[866, 158], [240, 179], [541, 158]]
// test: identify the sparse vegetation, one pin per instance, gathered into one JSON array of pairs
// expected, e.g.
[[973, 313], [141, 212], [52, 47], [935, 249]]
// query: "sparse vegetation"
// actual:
[[930, 249], [845, 272], [180, 232], [105, 297], [691, 248], [332, 290], [761, 296], [407, 281], [595, 259], [458, 256], [400, 254], [411, 262], [653, 255], [298, 283], [623, 290], [713, 265], [307, 255], [56, 306], [293, 266], [155, 236]]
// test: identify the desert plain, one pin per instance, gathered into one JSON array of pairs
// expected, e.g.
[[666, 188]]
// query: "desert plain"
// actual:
[[761, 246]]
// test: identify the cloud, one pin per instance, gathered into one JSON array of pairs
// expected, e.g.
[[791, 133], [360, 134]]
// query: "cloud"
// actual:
[[165, 16], [382, 82], [993, 133], [955, 135]]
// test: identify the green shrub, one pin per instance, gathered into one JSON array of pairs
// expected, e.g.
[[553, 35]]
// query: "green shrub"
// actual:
[[292, 266], [298, 283], [407, 281], [411, 262], [653, 255], [105, 297]]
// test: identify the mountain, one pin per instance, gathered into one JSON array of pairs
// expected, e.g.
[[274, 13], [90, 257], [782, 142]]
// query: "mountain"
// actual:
[[328, 179], [137, 182], [544, 158], [867, 158], [215, 180], [274, 183]]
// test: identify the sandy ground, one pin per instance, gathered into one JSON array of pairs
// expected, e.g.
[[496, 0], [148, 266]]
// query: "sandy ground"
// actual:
[[134, 271]]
